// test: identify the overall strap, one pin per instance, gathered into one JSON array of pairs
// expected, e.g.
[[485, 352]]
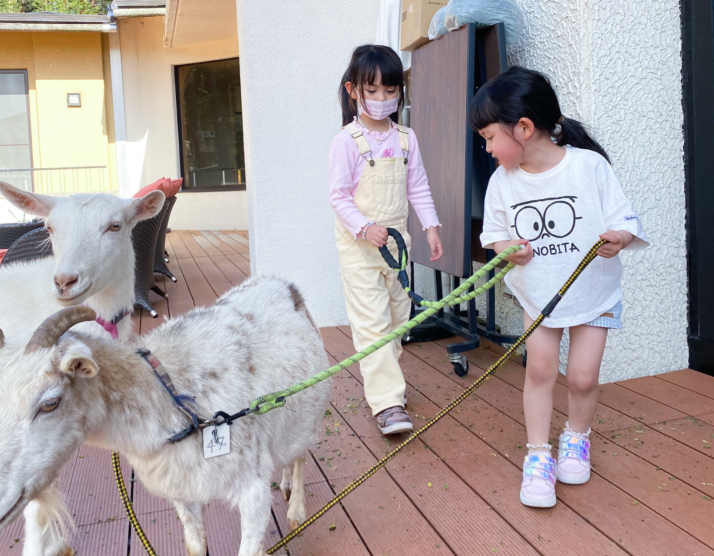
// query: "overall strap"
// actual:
[[362, 144], [404, 141]]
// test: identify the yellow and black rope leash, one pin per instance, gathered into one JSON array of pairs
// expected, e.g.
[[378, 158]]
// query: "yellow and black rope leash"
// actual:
[[589, 257]]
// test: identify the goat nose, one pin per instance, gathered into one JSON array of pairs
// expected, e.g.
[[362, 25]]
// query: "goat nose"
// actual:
[[65, 281]]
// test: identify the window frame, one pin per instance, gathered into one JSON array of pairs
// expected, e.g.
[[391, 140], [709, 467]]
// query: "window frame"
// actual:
[[29, 120], [179, 127]]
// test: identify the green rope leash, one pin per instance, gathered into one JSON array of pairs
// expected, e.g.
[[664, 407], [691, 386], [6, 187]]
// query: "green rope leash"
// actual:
[[268, 402]]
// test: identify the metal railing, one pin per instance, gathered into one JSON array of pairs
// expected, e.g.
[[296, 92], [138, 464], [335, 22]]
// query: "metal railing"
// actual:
[[60, 181]]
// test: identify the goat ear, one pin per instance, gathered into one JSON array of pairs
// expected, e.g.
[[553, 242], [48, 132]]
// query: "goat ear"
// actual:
[[147, 207], [78, 361], [39, 205]]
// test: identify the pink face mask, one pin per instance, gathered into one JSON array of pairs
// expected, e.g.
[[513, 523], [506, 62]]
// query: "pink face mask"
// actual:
[[379, 109]]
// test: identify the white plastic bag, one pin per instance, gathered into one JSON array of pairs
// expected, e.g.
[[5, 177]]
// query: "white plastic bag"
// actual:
[[481, 12]]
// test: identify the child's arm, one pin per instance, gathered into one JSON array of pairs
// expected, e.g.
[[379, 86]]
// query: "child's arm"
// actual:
[[616, 242], [521, 257]]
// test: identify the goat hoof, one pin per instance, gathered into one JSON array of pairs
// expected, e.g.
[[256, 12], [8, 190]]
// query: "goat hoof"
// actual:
[[287, 492], [294, 524]]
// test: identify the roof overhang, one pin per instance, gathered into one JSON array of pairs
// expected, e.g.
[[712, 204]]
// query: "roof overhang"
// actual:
[[190, 22], [47, 21], [138, 8]]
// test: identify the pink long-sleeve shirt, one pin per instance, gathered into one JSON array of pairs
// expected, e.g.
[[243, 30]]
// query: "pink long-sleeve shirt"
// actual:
[[346, 165]]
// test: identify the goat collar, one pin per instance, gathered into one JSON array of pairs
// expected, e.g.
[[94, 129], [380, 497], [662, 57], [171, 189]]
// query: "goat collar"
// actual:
[[111, 325], [180, 400]]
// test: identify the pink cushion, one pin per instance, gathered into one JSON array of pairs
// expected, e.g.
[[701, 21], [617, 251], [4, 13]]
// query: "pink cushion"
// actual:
[[163, 184], [2, 254], [174, 187]]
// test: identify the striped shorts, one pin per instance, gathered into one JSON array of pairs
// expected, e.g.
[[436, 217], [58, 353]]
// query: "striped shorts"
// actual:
[[610, 319]]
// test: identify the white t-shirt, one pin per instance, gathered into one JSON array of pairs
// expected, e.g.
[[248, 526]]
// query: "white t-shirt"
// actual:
[[562, 212]]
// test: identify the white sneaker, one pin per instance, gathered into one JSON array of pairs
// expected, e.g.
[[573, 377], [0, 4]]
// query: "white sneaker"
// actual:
[[574, 457], [538, 487]]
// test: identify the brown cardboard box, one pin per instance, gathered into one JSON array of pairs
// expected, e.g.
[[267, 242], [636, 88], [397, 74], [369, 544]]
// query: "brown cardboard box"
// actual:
[[416, 18]]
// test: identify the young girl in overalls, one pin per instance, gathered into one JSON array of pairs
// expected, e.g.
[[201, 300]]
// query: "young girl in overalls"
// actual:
[[556, 194], [375, 170]]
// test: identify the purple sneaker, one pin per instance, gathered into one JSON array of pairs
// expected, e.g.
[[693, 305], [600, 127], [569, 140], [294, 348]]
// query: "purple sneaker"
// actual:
[[394, 420]]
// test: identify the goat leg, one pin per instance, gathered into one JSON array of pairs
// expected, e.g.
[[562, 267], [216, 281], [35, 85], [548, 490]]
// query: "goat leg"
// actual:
[[286, 485], [254, 505], [296, 506], [194, 529]]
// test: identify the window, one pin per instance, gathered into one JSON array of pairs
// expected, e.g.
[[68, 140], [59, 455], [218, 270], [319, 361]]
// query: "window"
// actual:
[[211, 126], [15, 146]]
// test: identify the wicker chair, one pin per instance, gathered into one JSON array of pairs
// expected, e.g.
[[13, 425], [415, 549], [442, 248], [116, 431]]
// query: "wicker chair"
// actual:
[[31, 246], [160, 255], [144, 238], [9, 233]]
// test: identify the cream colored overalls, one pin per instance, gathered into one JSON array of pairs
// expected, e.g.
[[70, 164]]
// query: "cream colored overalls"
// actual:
[[376, 302]]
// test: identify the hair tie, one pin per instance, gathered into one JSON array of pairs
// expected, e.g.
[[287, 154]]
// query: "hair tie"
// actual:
[[561, 119]]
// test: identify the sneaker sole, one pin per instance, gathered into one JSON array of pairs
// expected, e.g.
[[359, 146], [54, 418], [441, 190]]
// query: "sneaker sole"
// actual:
[[571, 481], [397, 428], [539, 503]]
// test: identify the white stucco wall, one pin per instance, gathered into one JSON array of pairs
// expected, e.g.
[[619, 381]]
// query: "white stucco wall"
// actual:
[[293, 55], [152, 148], [617, 68]]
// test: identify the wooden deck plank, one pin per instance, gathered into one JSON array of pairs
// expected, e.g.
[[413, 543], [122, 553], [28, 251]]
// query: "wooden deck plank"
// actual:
[[193, 247], [222, 246], [93, 496], [691, 380], [206, 245], [321, 539], [215, 278], [168, 247], [557, 535], [670, 395], [461, 517], [643, 485], [107, 539], [234, 274], [180, 298], [223, 530], [233, 241], [179, 247], [237, 236], [201, 291], [240, 262], [606, 485], [165, 533]]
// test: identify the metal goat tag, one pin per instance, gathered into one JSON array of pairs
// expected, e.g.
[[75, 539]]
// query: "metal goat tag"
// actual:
[[216, 441]]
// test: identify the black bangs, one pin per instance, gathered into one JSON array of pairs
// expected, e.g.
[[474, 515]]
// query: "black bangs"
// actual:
[[483, 112]]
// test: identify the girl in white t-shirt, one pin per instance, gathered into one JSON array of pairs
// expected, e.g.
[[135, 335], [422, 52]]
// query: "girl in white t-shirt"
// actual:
[[554, 193]]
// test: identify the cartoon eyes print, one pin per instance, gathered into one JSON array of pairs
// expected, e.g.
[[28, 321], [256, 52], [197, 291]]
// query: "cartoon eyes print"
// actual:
[[557, 220]]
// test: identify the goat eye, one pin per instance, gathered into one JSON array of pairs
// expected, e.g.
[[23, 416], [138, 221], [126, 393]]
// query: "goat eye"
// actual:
[[50, 405], [115, 227]]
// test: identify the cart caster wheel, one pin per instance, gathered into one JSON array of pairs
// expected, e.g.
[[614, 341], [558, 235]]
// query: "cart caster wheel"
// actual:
[[461, 366]]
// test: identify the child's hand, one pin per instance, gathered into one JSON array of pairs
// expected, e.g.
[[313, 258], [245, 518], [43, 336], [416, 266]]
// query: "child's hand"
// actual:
[[377, 235], [617, 241], [521, 257], [432, 236]]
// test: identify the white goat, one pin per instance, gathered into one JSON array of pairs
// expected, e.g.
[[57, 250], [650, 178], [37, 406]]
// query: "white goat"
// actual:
[[93, 262], [64, 388]]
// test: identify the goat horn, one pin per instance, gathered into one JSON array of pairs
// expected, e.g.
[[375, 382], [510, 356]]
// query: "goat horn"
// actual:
[[50, 331]]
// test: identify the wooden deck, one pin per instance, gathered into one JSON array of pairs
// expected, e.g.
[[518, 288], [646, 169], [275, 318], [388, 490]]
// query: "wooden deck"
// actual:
[[454, 491]]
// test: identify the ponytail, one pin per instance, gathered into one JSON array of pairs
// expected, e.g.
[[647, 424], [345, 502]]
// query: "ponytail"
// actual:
[[573, 133], [522, 93], [367, 62]]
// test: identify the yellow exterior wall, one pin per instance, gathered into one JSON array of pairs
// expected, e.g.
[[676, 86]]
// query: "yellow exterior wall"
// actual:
[[58, 63]]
